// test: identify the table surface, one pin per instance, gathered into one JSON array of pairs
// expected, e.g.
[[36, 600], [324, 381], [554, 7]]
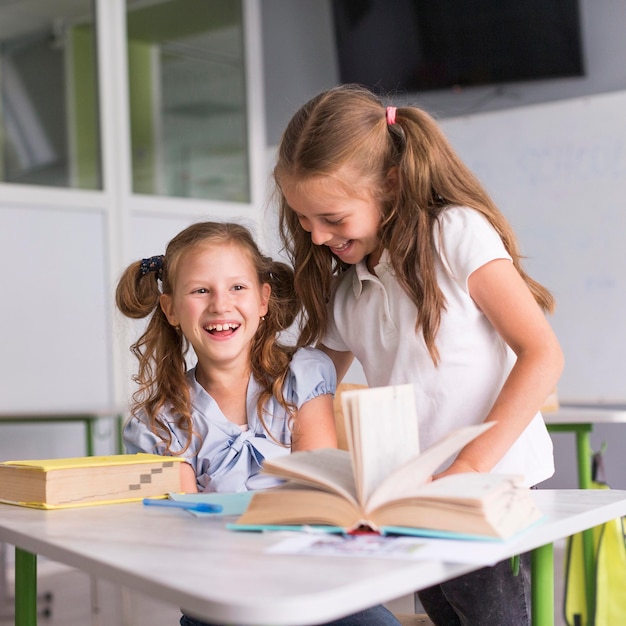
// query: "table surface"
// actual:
[[586, 414], [227, 576]]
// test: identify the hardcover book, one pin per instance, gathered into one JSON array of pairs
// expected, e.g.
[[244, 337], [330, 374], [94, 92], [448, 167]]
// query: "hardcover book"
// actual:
[[383, 483], [80, 481]]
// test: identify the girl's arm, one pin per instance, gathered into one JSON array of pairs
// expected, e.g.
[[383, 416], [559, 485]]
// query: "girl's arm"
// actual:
[[342, 360], [503, 296], [188, 483], [314, 425]]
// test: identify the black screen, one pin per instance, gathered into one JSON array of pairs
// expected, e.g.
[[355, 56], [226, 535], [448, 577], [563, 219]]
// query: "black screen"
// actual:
[[416, 45]]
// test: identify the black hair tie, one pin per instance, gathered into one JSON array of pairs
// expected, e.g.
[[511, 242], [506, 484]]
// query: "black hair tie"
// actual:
[[153, 264]]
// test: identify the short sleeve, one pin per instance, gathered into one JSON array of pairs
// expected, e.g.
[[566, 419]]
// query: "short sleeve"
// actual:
[[311, 374], [139, 438], [466, 241]]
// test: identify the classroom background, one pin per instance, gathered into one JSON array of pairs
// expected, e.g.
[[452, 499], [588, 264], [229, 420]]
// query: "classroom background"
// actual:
[[113, 139]]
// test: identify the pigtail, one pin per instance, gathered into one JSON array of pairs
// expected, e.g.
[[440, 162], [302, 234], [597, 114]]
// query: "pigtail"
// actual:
[[270, 358], [160, 350]]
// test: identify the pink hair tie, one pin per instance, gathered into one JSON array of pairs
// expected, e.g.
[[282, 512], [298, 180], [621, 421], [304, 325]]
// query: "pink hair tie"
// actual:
[[391, 116]]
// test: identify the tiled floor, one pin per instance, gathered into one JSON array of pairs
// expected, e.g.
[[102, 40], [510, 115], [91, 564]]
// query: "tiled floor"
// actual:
[[75, 603]]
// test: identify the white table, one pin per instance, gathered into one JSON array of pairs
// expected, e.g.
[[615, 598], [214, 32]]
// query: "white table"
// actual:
[[226, 576]]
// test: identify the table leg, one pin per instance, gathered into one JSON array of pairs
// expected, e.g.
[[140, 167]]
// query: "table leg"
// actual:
[[583, 446], [583, 454], [89, 435], [119, 420], [542, 584], [25, 588]]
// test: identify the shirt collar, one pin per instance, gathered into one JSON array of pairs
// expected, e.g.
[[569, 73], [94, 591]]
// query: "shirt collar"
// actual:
[[361, 273]]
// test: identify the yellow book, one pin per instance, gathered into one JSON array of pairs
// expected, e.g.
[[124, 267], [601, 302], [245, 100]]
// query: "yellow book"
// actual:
[[82, 481]]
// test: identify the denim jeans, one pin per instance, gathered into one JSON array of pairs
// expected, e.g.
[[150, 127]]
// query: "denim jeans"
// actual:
[[376, 616], [491, 596]]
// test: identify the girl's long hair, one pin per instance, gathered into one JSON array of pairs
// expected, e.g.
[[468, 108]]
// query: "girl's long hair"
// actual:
[[346, 127], [161, 350]]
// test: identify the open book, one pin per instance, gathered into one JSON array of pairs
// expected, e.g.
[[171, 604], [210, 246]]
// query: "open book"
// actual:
[[384, 483]]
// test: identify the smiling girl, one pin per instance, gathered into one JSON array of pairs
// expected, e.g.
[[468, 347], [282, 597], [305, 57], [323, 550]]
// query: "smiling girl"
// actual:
[[248, 397]]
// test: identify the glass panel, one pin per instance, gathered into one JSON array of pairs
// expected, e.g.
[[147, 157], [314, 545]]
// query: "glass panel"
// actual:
[[49, 125], [187, 99]]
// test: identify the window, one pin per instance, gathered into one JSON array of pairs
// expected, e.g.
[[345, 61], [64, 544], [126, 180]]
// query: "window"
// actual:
[[49, 127], [187, 99]]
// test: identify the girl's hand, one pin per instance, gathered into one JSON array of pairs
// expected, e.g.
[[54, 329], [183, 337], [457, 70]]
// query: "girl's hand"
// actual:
[[458, 467]]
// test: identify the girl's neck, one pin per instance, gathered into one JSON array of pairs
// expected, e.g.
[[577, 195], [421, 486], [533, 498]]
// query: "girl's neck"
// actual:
[[373, 259], [229, 390]]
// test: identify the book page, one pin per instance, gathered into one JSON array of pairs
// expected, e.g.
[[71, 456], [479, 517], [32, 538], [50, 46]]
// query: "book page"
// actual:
[[413, 475], [326, 468], [382, 429]]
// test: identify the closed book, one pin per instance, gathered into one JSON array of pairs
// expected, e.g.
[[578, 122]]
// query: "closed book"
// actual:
[[82, 481]]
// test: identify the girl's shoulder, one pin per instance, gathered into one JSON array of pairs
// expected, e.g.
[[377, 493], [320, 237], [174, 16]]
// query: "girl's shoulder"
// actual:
[[460, 217], [465, 240], [304, 358], [311, 374], [456, 224]]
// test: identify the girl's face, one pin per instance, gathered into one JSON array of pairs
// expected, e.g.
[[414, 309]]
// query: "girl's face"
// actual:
[[348, 224], [217, 302]]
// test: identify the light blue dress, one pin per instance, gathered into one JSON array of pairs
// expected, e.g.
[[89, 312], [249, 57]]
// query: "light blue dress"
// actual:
[[224, 457]]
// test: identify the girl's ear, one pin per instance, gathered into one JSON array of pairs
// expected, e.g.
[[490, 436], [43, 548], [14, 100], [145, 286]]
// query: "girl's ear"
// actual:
[[392, 178], [266, 290], [167, 306]]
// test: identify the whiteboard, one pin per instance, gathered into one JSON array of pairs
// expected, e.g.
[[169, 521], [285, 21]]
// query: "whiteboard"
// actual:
[[558, 172]]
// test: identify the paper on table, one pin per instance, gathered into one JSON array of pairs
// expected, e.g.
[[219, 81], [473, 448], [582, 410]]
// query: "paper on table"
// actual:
[[378, 546], [231, 503]]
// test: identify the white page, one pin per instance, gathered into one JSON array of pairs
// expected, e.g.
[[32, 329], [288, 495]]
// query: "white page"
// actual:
[[414, 474], [383, 432], [325, 468]]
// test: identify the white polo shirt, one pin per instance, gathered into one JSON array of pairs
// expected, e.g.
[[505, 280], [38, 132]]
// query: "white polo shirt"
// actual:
[[372, 316]]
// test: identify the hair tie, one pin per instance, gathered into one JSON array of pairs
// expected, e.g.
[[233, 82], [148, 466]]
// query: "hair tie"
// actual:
[[153, 264], [391, 116]]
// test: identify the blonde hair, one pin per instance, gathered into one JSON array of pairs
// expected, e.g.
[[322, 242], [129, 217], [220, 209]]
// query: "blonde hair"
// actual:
[[161, 349], [347, 127]]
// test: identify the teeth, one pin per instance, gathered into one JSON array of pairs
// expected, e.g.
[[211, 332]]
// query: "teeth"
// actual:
[[342, 246], [220, 327]]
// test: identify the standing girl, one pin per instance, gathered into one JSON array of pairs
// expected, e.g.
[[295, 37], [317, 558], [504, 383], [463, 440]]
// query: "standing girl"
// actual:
[[248, 397], [403, 261]]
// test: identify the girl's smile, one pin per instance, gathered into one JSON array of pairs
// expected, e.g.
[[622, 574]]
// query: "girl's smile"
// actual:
[[340, 249], [223, 330]]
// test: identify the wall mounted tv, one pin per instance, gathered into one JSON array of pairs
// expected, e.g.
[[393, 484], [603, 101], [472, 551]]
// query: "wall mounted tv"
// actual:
[[419, 45]]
